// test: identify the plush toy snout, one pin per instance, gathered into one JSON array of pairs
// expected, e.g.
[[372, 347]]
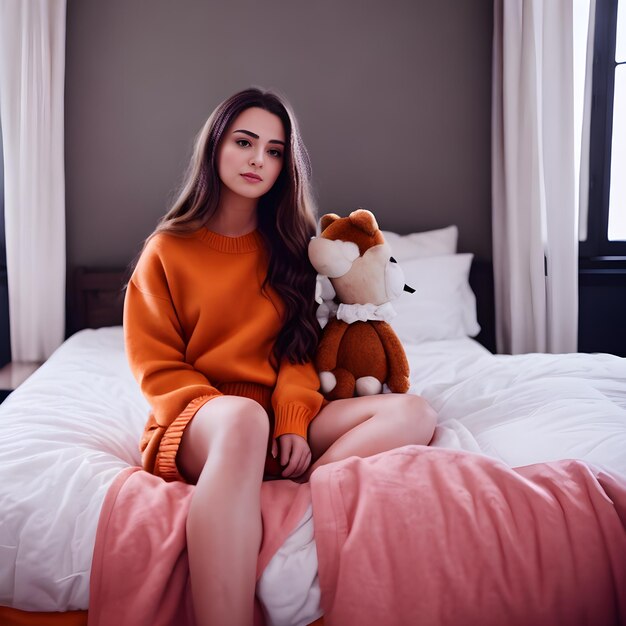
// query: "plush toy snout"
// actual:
[[372, 278], [394, 279]]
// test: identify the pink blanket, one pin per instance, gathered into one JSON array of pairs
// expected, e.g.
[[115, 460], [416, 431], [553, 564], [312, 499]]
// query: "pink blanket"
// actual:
[[431, 536], [140, 571], [417, 535]]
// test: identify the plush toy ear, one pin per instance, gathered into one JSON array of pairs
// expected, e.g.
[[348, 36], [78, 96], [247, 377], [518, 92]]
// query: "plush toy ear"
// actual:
[[327, 220], [364, 220]]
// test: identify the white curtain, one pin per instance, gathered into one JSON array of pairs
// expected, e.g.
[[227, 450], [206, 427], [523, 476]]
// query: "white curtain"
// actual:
[[32, 77], [584, 33], [535, 238]]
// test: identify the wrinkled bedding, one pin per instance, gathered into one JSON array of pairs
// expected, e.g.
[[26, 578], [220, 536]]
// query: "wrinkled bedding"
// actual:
[[417, 535], [140, 572], [527, 408], [57, 463], [443, 537]]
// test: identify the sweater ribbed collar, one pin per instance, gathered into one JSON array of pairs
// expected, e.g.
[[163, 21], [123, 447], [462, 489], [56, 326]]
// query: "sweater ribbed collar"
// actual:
[[235, 245]]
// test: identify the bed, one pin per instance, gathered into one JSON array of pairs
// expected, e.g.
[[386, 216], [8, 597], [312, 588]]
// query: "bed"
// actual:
[[515, 513]]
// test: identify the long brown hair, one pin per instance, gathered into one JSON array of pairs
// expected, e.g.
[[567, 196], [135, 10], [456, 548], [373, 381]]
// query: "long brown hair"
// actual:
[[286, 215]]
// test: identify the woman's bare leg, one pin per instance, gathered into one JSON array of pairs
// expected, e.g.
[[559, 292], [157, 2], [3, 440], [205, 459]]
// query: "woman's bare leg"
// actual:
[[369, 425], [223, 450]]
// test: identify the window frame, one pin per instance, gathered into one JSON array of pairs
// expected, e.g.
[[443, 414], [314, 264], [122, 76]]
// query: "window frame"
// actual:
[[601, 132]]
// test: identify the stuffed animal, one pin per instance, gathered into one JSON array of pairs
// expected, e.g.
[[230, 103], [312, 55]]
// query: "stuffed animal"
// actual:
[[358, 352]]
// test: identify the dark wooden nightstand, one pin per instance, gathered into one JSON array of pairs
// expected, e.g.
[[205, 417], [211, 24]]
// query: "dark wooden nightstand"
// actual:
[[14, 374]]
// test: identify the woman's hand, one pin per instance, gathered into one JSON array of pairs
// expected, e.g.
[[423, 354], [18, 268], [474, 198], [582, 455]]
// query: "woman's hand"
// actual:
[[294, 453]]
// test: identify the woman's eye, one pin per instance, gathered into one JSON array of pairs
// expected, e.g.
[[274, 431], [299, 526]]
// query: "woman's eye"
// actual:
[[244, 143]]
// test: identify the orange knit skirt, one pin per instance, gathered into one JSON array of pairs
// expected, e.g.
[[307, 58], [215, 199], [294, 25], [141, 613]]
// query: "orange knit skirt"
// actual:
[[159, 445]]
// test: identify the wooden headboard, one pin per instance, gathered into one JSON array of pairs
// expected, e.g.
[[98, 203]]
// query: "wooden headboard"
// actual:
[[97, 299]]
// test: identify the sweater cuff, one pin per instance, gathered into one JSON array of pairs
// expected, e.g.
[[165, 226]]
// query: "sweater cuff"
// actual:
[[292, 419], [165, 465]]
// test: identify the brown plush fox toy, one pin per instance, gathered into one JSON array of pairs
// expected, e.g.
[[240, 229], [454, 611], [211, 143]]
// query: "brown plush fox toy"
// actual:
[[359, 351]]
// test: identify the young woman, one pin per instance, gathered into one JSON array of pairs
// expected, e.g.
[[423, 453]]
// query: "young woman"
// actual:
[[220, 329]]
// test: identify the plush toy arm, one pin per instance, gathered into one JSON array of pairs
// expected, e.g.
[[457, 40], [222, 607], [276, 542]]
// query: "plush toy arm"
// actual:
[[328, 348], [398, 379]]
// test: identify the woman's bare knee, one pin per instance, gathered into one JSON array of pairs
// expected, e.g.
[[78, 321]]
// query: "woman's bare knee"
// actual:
[[229, 427], [419, 418], [243, 435]]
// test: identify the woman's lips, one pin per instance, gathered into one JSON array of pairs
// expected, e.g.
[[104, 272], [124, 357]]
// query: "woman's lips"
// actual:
[[251, 179]]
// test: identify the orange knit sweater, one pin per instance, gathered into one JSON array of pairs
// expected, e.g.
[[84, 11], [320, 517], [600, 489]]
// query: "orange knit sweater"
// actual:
[[196, 326]]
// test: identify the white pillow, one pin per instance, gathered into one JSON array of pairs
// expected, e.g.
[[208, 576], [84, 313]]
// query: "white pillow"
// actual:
[[443, 305], [420, 245]]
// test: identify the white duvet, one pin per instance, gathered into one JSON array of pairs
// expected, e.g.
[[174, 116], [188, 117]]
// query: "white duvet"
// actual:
[[527, 408], [75, 423]]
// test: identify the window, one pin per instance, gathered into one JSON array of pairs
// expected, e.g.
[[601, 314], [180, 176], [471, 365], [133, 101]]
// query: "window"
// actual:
[[606, 232]]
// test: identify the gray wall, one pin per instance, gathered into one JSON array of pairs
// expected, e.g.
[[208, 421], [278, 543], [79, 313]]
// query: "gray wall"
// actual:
[[393, 100]]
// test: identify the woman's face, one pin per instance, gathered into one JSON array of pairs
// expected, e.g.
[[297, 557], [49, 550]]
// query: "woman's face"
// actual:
[[253, 144]]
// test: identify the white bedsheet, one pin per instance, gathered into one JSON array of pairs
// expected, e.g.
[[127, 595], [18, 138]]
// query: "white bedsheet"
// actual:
[[75, 423], [528, 408], [65, 433]]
